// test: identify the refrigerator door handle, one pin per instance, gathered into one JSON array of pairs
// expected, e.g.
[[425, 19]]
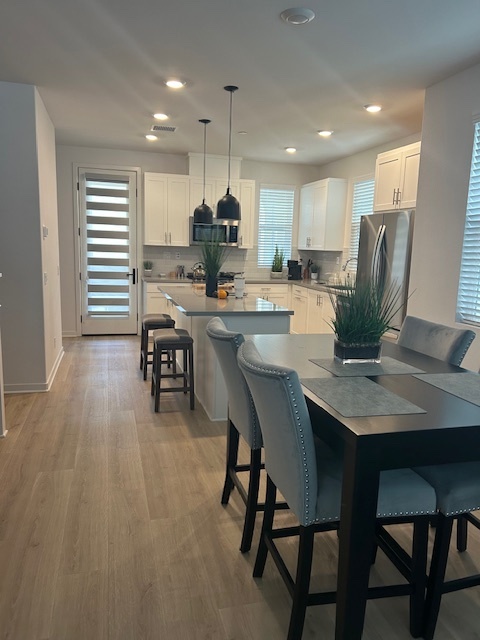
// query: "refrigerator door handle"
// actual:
[[377, 254]]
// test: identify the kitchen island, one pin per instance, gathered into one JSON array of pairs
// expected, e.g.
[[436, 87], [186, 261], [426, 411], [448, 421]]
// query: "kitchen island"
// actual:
[[192, 310]]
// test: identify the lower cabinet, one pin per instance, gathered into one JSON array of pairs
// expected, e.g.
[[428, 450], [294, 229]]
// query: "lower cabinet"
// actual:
[[320, 312], [153, 300], [276, 293], [299, 304]]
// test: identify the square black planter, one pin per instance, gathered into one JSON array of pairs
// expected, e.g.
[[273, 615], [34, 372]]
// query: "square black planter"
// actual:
[[357, 353]]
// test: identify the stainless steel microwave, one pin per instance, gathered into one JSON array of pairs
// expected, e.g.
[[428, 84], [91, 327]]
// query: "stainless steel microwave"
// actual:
[[225, 231]]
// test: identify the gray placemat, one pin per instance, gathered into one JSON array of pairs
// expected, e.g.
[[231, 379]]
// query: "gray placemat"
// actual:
[[358, 397], [386, 366], [463, 385]]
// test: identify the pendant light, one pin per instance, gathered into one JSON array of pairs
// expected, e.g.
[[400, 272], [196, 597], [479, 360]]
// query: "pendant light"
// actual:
[[203, 214], [228, 207]]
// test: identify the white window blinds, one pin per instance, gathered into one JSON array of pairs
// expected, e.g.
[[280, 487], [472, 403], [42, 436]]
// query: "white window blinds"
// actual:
[[468, 302], [362, 205], [275, 222]]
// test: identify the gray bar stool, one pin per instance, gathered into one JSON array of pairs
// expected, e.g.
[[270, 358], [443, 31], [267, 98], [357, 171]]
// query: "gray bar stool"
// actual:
[[171, 341], [151, 322]]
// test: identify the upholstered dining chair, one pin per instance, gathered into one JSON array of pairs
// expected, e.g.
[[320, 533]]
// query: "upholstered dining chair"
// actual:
[[437, 340], [450, 345], [457, 488], [309, 475], [242, 420]]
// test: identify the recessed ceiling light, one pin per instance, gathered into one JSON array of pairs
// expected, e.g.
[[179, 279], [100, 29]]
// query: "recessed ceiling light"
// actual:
[[150, 136], [290, 150], [175, 84], [373, 108], [160, 116], [297, 16], [325, 133]]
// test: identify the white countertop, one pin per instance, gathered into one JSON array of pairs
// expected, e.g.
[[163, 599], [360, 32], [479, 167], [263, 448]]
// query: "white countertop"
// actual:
[[307, 284], [194, 302]]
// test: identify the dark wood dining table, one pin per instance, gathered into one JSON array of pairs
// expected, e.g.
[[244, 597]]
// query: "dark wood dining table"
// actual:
[[448, 431]]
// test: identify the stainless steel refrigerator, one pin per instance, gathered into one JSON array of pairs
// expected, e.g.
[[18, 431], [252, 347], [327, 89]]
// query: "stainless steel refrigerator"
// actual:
[[384, 252]]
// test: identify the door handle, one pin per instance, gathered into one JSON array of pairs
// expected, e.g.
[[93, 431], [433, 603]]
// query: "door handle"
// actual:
[[134, 274]]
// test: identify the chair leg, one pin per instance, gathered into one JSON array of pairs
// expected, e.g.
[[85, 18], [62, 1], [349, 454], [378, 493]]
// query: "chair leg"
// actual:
[[232, 457], [141, 348], [185, 370], [419, 575], [437, 574], [252, 499], [145, 354], [154, 371], [192, 378], [267, 525], [302, 583], [158, 377], [462, 525]]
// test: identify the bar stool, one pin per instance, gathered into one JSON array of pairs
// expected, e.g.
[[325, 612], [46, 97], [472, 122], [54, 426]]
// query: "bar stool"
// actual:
[[171, 341], [151, 322]]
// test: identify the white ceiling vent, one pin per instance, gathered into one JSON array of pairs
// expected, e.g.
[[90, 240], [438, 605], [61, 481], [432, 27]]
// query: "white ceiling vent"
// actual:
[[163, 127]]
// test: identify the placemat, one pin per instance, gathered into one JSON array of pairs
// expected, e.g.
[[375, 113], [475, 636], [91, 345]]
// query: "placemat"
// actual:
[[463, 385], [386, 366], [359, 397]]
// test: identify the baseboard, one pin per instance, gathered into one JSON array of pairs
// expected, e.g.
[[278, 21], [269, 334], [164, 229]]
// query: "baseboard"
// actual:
[[36, 387], [69, 334]]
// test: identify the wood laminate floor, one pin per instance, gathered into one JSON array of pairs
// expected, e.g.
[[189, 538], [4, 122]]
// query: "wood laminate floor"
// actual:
[[111, 525]]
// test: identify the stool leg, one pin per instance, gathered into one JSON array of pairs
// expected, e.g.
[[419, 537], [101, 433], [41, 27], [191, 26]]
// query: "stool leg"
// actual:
[[185, 371], [158, 379], [154, 373], [141, 348], [145, 355], [192, 386]]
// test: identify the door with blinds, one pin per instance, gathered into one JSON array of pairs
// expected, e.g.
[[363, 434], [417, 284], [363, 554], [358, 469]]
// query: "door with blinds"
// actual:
[[109, 274]]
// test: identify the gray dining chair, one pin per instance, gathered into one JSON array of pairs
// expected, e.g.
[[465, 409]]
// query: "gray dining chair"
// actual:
[[309, 475], [242, 420], [457, 488], [450, 345], [437, 340]]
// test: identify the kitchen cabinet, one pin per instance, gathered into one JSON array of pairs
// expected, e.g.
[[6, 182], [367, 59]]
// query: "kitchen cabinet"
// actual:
[[322, 215], [319, 313], [299, 304], [167, 209], [276, 293], [396, 178], [153, 300]]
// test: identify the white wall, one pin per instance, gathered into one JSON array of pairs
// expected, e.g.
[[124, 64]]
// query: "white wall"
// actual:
[[447, 140], [28, 193]]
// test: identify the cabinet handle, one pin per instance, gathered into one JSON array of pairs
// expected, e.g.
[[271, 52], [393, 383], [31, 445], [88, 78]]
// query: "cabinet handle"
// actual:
[[166, 241], [398, 196], [170, 238], [241, 241], [394, 194]]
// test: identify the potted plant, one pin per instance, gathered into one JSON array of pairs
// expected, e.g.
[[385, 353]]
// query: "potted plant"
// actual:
[[314, 271], [363, 313], [147, 268], [213, 256], [277, 263]]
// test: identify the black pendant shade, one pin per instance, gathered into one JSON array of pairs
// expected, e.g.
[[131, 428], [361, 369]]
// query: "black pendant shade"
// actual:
[[203, 214], [228, 207]]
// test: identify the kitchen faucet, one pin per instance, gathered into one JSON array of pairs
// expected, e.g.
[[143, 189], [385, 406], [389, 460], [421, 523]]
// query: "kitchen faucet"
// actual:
[[344, 266]]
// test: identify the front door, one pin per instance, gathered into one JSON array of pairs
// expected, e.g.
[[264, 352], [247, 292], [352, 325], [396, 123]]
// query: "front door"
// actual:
[[109, 274]]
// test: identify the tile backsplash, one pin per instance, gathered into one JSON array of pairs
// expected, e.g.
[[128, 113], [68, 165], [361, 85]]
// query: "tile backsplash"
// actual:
[[165, 260]]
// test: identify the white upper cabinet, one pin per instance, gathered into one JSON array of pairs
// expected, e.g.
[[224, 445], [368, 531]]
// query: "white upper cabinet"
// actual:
[[396, 178], [167, 209], [322, 215]]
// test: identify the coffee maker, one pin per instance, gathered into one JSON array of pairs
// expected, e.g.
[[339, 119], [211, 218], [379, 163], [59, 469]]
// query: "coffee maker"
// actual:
[[294, 270]]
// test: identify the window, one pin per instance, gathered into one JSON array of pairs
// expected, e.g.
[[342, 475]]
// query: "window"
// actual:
[[275, 221], [468, 302], [362, 205]]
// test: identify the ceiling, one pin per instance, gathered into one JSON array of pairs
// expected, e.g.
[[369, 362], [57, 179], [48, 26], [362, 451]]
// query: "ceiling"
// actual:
[[100, 65]]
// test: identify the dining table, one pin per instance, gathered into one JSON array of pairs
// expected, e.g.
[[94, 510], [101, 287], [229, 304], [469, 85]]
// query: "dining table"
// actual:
[[409, 410]]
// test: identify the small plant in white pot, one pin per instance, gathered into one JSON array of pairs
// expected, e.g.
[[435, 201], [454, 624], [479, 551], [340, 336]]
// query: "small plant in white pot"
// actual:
[[277, 263], [314, 271], [147, 268]]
